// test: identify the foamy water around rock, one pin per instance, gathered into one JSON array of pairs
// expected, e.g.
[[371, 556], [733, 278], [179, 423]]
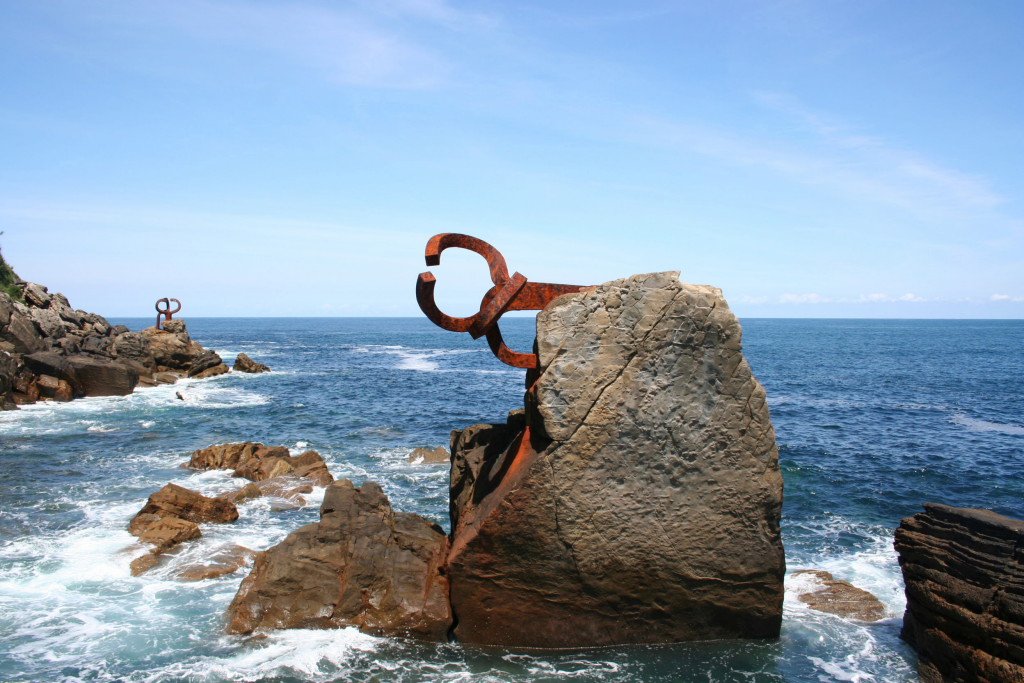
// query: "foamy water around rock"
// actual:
[[873, 418]]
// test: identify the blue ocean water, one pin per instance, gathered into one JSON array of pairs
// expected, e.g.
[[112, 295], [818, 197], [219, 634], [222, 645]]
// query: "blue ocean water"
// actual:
[[873, 419]]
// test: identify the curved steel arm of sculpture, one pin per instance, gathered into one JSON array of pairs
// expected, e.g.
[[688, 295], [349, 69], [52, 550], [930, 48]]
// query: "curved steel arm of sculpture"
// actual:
[[166, 313], [509, 293]]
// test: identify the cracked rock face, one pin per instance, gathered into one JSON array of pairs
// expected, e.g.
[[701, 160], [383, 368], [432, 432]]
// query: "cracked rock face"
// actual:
[[964, 576], [644, 504]]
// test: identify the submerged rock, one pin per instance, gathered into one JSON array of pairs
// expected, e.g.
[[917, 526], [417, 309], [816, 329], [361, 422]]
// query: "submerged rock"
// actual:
[[964, 575], [361, 565], [245, 364], [825, 593], [430, 455], [257, 462], [226, 560], [641, 503]]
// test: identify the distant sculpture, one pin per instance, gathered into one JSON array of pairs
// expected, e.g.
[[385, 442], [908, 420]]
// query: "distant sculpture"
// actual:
[[166, 313]]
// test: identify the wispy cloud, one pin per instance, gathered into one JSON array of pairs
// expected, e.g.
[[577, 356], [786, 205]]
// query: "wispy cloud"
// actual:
[[873, 298], [1004, 298], [828, 153]]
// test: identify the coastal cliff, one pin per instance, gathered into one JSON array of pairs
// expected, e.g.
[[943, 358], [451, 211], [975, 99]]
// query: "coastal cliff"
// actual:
[[49, 350]]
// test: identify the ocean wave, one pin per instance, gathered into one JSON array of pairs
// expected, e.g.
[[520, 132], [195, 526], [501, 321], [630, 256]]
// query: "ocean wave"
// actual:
[[975, 425]]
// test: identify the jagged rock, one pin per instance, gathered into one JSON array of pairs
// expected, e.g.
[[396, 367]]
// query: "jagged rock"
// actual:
[[361, 565], [6, 308], [35, 295], [53, 388], [825, 593], [132, 346], [964, 575], [430, 455], [163, 531], [257, 462], [22, 333], [211, 372], [177, 501], [642, 503], [175, 326], [165, 378], [175, 350], [26, 390], [102, 377], [245, 364], [205, 361], [289, 488], [97, 345], [8, 371], [48, 322], [227, 560]]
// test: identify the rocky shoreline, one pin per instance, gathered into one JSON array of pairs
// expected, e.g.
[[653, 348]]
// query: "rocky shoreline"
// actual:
[[51, 351]]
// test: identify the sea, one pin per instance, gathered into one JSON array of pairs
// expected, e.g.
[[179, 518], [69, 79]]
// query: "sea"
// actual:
[[874, 418]]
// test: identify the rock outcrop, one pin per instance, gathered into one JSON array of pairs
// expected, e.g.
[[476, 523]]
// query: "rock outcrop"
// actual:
[[430, 456], [257, 462], [245, 364], [964, 575], [171, 516], [641, 502], [361, 565], [49, 350], [823, 592]]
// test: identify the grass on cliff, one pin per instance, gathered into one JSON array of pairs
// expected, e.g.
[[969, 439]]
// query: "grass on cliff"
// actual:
[[7, 279]]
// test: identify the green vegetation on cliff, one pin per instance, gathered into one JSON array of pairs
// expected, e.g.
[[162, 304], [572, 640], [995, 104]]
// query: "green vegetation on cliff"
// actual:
[[7, 279]]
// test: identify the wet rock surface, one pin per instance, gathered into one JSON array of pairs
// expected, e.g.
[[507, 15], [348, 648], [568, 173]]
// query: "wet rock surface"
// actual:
[[361, 565], [258, 462], [823, 592], [177, 501], [964, 575], [642, 502], [429, 456]]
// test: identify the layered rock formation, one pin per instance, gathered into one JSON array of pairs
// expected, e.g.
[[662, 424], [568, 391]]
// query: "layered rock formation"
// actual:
[[361, 565], [245, 364], [964, 576], [48, 350], [641, 501]]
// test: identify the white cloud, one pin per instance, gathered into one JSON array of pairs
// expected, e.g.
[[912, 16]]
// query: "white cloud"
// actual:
[[1003, 298], [808, 298]]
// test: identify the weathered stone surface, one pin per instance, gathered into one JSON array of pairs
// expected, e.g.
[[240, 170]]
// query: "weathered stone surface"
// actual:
[[142, 564], [287, 487], [177, 501], [823, 592], [102, 377], [205, 361], [53, 388], [48, 322], [227, 560], [8, 371], [257, 462], [361, 565], [643, 502], [132, 346], [212, 371], [22, 333], [165, 378], [245, 364], [35, 295], [964, 575], [163, 531], [432, 456]]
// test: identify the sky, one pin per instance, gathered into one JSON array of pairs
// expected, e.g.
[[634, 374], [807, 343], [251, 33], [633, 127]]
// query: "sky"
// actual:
[[811, 159]]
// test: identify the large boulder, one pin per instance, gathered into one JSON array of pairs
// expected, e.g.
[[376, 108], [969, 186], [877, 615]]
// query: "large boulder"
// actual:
[[361, 565], [245, 364], [8, 373], [257, 462], [964, 575], [21, 333], [642, 501], [102, 377]]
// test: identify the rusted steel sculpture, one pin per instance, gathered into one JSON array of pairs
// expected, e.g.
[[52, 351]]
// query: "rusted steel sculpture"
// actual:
[[509, 293], [167, 313]]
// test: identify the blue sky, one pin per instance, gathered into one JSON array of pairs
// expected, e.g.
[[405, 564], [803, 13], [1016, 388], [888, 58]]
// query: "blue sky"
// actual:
[[812, 159]]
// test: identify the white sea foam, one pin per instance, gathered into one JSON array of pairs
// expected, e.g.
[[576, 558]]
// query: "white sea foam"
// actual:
[[975, 425]]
